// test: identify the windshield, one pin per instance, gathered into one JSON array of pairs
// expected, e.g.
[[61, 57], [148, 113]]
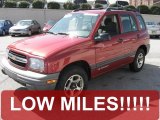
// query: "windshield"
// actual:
[[75, 24], [1, 23], [50, 22], [24, 23]]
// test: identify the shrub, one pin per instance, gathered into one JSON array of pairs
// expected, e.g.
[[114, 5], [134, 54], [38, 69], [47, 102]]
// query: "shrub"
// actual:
[[10, 4], [76, 6], [113, 5], [23, 4], [70, 6], [143, 9], [98, 5], [130, 7], [53, 5], [38, 4], [85, 6], [155, 10]]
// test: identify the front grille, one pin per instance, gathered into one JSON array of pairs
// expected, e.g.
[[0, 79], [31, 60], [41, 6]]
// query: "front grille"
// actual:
[[17, 54], [17, 30], [18, 63], [17, 58]]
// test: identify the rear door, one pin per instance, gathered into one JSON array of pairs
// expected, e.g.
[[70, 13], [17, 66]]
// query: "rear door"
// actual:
[[7, 25], [142, 34], [130, 33], [36, 26]]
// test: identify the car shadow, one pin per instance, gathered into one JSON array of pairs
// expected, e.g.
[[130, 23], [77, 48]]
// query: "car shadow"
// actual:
[[155, 38], [4, 36], [124, 79]]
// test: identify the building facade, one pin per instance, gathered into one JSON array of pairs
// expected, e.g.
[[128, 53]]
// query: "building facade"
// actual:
[[141, 2]]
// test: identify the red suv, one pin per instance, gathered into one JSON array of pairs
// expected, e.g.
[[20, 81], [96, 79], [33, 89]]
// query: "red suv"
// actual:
[[82, 45]]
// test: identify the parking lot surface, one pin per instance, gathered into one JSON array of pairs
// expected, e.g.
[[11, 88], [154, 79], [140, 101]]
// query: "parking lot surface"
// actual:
[[121, 79]]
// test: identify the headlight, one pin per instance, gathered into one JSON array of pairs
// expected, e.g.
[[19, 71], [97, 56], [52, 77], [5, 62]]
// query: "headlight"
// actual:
[[25, 29], [37, 64]]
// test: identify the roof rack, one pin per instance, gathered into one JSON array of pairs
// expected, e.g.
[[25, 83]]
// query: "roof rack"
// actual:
[[76, 10], [121, 8], [110, 9]]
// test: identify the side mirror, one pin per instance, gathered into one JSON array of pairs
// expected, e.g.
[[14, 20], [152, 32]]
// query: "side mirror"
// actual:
[[103, 37], [45, 30]]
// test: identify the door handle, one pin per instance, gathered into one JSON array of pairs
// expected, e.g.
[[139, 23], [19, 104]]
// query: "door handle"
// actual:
[[120, 40]]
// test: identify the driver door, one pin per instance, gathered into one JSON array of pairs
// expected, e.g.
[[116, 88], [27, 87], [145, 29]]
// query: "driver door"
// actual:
[[109, 51]]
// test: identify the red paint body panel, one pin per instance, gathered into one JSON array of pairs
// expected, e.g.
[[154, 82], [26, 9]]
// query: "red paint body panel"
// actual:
[[58, 51]]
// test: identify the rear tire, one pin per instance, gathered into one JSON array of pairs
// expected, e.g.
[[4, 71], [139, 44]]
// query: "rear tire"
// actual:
[[74, 79], [138, 62]]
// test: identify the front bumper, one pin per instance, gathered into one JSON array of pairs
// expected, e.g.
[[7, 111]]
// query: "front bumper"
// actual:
[[148, 48], [31, 80], [154, 32], [19, 32]]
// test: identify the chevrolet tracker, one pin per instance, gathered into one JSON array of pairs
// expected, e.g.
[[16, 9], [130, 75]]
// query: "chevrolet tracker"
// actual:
[[82, 45]]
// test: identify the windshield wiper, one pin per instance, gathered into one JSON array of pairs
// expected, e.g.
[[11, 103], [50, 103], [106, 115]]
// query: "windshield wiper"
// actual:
[[50, 32], [63, 33]]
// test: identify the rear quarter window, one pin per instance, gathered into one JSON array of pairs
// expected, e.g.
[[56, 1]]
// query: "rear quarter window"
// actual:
[[141, 22]]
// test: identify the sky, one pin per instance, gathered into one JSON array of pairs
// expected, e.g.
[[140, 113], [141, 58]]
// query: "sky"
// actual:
[[110, 1]]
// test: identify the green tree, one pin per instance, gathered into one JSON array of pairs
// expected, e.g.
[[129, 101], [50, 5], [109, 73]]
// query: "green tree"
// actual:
[[38, 4], [155, 10], [143, 9], [130, 7]]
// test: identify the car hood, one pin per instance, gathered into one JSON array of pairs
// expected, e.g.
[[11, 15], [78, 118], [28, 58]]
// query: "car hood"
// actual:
[[45, 44], [19, 27]]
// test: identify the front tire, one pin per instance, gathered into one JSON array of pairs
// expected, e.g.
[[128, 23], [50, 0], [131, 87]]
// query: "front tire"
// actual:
[[73, 80], [138, 62], [39, 30]]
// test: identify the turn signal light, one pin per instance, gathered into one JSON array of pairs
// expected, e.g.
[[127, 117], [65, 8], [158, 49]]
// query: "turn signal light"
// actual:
[[51, 81]]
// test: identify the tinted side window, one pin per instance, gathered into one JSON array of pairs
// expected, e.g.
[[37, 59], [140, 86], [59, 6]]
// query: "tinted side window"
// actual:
[[110, 25], [126, 23], [35, 22], [8, 22], [141, 22], [133, 23], [5, 23]]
